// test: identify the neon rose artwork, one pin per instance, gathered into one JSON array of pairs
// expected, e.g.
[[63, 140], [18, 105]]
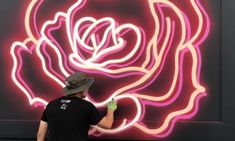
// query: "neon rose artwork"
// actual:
[[148, 60]]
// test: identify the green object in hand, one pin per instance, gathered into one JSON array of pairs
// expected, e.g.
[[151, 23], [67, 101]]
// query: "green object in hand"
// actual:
[[112, 105]]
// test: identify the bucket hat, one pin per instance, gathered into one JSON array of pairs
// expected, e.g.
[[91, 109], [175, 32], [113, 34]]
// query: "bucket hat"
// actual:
[[77, 82]]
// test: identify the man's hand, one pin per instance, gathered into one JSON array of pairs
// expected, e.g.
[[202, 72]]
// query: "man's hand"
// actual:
[[112, 105]]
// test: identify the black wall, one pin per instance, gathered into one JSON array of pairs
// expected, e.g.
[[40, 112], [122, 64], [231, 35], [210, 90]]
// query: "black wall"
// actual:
[[214, 124]]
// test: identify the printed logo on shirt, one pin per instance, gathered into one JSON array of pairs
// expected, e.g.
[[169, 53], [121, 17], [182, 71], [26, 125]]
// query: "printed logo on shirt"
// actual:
[[63, 106], [65, 101]]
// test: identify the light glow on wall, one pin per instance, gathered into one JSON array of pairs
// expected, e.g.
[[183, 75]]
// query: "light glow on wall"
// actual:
[[92, 41]]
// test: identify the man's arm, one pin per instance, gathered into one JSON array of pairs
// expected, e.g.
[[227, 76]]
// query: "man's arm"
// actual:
[[42, 131], [107, 121]]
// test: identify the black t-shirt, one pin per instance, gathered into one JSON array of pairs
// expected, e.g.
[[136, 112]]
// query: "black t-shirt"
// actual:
[[69, 118]]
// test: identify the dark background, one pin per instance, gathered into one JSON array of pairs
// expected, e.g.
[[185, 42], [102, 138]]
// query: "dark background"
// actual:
[[215, 120]]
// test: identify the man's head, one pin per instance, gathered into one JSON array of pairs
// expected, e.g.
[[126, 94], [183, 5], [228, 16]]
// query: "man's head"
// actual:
[[78, 83]]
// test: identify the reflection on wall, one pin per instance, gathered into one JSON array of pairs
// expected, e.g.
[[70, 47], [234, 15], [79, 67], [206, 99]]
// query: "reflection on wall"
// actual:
[[144, 54]]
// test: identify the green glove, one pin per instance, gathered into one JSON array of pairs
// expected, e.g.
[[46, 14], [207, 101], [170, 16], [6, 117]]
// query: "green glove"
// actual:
[[112, 105]]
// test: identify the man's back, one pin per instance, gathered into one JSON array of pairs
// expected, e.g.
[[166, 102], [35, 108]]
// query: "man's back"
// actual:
[[69, 118]]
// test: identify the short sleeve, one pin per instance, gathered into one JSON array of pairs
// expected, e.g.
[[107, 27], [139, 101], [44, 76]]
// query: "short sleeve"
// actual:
[[94, 115], [44, 115]]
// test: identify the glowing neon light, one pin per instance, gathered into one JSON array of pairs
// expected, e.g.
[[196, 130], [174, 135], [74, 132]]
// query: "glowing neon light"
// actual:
[[82, 35]]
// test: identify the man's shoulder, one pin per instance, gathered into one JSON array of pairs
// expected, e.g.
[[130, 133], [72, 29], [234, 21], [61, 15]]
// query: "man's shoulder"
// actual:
[[65, 99], [86, 101]]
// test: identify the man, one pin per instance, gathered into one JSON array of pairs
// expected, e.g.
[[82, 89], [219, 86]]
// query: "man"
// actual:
[[69, 117]]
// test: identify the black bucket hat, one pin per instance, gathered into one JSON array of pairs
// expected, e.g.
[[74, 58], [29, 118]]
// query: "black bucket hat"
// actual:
[[77, 82]]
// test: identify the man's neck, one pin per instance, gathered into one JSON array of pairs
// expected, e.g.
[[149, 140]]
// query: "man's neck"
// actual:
[[79, 95]]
